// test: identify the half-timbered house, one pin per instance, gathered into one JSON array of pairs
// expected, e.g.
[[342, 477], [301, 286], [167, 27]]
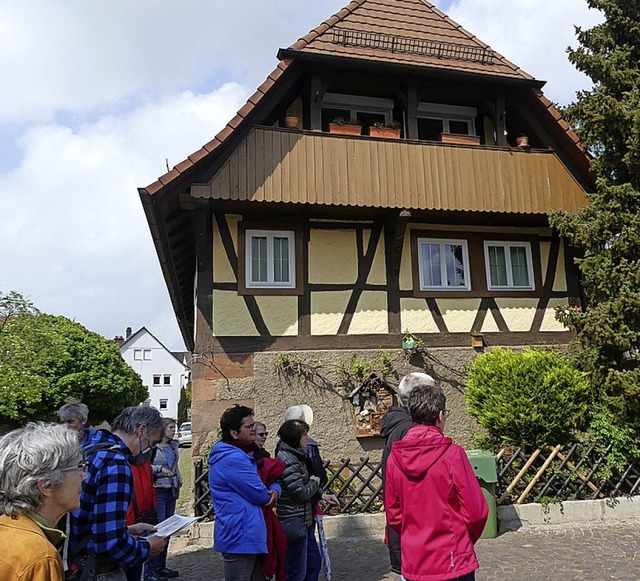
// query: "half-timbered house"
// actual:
[[283, 244]]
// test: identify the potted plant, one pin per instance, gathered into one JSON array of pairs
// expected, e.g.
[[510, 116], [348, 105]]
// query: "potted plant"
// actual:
[[390, 130], [345, 126], [522, 140], [291, 121]]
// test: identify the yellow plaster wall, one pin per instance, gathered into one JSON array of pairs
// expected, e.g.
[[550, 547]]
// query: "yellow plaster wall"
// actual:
[[230, 315], [489, 325], [415, 317], [545, 247], [518, 314], [222, 271], [327, 310], [549, 322], [459, 314], [378, 274], [280, 314], [332, 256], [406, 280], [370, 315], [560, 282]]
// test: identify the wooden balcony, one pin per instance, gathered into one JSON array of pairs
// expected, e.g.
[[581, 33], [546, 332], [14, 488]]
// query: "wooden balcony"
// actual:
[[283, 165]]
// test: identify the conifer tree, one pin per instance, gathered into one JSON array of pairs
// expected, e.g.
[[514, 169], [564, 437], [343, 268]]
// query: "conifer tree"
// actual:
[[607, 230]]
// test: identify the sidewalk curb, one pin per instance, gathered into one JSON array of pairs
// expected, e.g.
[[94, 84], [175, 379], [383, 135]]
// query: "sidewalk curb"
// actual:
[[510, 517]]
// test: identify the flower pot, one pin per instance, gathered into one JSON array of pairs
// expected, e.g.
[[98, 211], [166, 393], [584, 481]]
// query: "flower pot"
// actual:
[[460, 139], [345, 129], [388, 132], [291, 121], [522, 141]]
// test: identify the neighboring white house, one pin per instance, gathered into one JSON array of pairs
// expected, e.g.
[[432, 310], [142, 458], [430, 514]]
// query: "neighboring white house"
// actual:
[[164, 373]]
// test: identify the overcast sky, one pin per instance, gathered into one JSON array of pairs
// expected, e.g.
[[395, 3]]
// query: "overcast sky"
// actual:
[[98, 94]]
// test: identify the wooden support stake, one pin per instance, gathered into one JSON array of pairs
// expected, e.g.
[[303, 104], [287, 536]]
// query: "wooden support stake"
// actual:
[[527, 490], [581, 475], [500, 453], [520, 474]]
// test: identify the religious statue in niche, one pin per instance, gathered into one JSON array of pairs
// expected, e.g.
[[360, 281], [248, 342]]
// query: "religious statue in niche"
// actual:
[[371, 401]]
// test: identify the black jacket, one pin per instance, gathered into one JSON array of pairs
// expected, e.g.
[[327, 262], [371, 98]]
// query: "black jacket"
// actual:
[[297, 490], [395, 425]]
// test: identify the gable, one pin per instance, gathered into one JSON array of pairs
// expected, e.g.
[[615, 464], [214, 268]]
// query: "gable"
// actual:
[[404, 32]]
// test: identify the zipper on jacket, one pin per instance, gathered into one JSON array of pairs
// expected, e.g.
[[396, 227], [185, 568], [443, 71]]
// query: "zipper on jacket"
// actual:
[[452, 563]]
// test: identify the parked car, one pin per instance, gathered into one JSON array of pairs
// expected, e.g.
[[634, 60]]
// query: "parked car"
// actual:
[[184, 434]]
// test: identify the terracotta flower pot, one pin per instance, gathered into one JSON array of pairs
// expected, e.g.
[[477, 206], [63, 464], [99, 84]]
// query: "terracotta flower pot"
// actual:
[[387, 132], [345, 129], [291, 121]]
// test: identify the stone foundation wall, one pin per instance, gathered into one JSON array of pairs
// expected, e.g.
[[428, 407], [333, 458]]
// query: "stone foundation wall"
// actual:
[[255, 380]]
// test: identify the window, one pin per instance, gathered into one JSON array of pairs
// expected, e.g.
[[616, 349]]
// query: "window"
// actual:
[[368, 110], [270, 259], [147, 354], [434, 119], [156, 381], [163, 405], [508, 265], [443, 264], [166, 380], [142, 354]]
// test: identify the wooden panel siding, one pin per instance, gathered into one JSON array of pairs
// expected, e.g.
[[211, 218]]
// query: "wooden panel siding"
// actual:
[[279, 165]]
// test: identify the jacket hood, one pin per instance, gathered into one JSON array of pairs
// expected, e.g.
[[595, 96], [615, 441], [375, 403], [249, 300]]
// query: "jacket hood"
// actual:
[[420, 449], [396, 416]]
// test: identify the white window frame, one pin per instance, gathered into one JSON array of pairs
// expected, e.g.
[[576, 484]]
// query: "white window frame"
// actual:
[[159, 378], [137, 355], [166, 404], [448, 113], [270, 235], [358, 104], [164, 380], [507, 245], [443, 267]]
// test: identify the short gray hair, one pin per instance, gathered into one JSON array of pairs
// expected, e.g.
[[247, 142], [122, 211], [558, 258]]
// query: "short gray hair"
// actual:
[[28, 455], [410, 382], [76, 408], [132, 417]]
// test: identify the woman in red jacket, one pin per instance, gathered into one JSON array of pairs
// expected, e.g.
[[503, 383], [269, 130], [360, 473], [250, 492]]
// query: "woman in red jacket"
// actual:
[[432, 497]]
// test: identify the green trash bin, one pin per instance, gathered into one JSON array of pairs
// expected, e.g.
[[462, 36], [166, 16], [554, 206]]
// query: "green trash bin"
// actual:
[[484, 466]]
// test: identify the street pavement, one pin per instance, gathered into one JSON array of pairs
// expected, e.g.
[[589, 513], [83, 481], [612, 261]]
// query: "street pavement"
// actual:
[[595, 552]]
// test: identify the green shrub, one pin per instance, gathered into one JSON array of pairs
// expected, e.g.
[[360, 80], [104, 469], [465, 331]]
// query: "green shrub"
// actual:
[[531, 399]]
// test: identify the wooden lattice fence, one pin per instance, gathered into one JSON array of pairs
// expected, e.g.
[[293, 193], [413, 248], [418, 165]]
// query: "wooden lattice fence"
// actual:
[[550, 475]]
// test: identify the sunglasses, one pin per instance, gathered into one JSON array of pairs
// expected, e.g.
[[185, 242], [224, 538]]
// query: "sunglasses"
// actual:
[[262, 434]]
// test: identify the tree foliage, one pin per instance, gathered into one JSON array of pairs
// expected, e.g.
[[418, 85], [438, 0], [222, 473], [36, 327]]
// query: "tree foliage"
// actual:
[[184, 404], [532, 398], [46, 361], [607, 231]]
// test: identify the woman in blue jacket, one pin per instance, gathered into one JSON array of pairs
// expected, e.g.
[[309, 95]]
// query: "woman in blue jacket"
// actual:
[[238, 496]]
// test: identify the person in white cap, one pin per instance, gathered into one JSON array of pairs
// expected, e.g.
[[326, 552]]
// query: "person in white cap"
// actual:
[[304, 413]]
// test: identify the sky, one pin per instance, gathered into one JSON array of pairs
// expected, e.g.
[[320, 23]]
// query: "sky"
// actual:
[[100, 97]]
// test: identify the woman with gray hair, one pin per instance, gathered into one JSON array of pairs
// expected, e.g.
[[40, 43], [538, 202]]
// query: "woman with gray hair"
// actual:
[[41, 474]]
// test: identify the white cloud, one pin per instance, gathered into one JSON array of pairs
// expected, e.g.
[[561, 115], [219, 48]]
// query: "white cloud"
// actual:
[[77, 241]]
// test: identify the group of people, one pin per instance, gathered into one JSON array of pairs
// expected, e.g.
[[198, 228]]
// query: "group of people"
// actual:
[[113, 485], [246, 485]]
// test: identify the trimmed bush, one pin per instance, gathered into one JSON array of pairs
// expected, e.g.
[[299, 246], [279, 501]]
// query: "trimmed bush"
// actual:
[[532, 398]]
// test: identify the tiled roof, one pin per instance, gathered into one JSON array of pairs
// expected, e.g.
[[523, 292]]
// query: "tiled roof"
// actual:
[[405, 32]]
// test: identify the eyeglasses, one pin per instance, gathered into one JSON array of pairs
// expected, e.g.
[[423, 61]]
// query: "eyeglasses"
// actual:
[[83, 465], [262, 434]]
